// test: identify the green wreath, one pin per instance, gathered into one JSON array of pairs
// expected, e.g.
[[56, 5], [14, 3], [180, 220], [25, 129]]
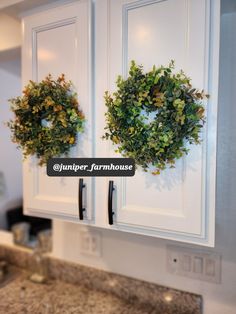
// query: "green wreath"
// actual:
[[47, 118], [152, 116]]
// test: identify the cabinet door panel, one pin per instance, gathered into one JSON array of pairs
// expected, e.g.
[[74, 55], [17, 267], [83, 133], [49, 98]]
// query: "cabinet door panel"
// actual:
[[179, 203], [57, 41]]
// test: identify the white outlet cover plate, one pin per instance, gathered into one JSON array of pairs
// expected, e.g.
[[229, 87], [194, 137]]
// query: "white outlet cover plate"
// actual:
[[91, 243]]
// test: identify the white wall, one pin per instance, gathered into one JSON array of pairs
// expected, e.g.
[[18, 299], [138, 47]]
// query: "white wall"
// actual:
[[10, 157], [144, 257], [6, 3], [10, 32]]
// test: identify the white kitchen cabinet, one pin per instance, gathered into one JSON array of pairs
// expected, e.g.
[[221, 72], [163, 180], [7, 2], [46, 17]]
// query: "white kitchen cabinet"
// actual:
[[179, 204], [57, 40]]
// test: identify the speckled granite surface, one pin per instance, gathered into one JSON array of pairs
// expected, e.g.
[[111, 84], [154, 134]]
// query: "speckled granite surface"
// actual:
[[59, 298], [73, 288]]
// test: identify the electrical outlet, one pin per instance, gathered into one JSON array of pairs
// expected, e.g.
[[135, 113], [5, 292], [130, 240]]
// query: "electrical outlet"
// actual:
[[194, 263], [91, 243]]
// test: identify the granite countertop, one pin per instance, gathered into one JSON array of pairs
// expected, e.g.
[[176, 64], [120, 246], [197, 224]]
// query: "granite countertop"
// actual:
[[74, 288], [22, 296]]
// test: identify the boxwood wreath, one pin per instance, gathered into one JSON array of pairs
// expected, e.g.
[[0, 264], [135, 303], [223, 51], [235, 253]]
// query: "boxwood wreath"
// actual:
[[47, 118], [152, 116]]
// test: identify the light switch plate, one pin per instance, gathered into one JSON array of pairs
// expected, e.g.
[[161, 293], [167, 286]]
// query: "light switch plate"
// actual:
[[194, 263]]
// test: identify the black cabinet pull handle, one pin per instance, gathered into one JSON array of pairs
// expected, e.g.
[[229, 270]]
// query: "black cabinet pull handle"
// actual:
[[81, 208], [110, 196]]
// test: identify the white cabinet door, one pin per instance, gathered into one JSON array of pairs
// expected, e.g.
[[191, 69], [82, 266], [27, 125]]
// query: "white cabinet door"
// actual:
[[179, 204], [56, 41]]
